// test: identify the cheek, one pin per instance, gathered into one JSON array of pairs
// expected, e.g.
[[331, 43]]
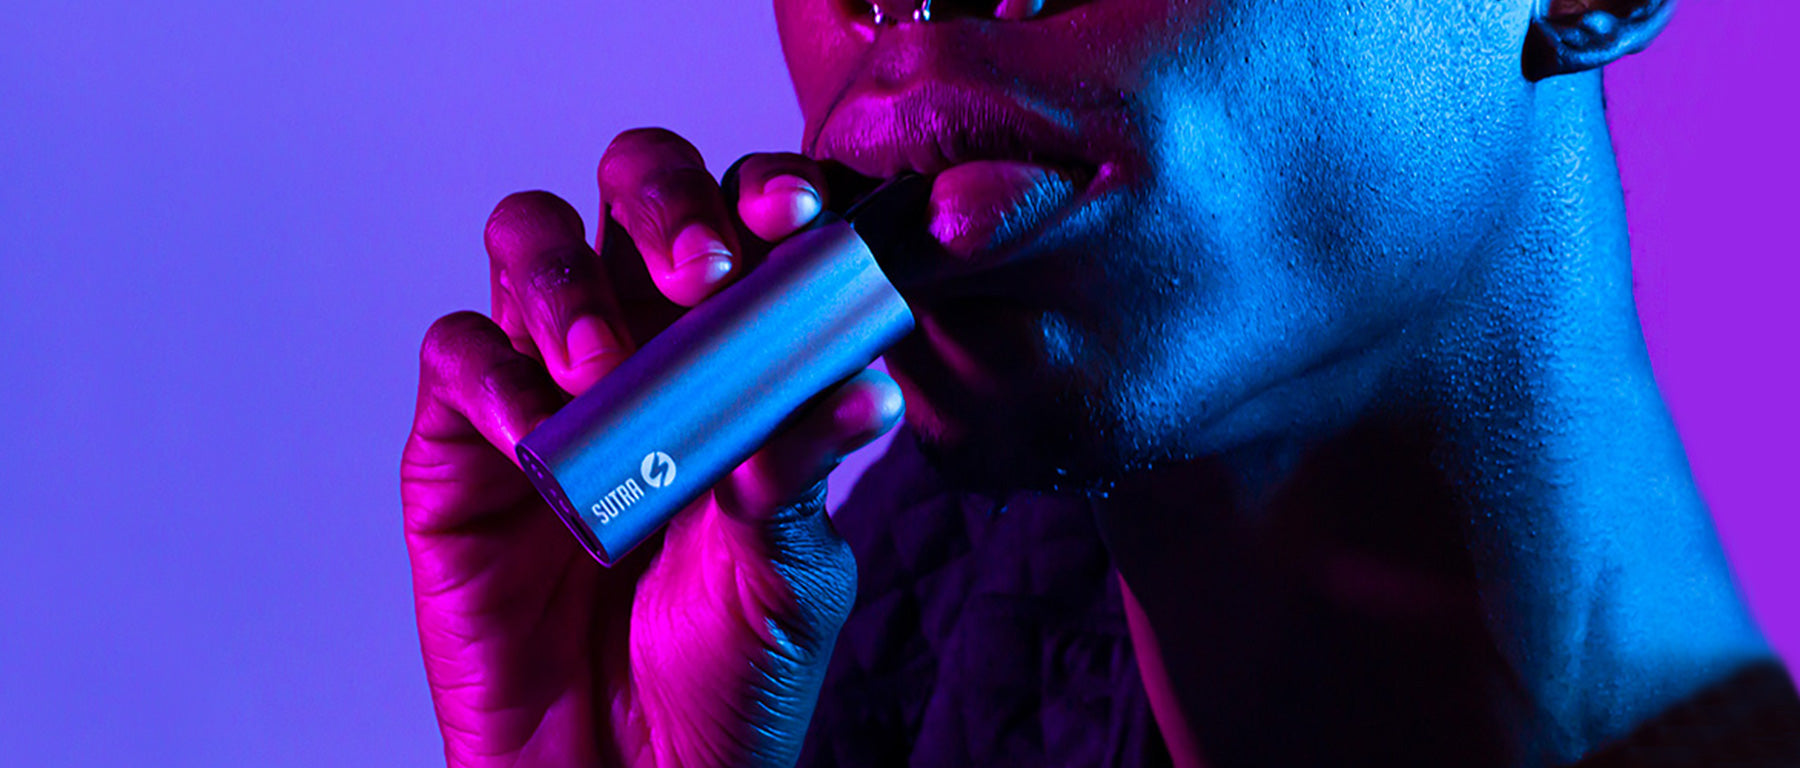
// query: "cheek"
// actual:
[[1411, 151], [1353, 157], [1313, 181], [822, 47]]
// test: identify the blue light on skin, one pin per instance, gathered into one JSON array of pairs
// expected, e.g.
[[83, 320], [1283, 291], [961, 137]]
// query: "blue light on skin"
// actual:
[[1342, 332]]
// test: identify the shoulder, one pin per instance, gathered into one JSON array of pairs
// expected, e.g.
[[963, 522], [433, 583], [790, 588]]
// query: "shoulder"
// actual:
[[1751, 719]]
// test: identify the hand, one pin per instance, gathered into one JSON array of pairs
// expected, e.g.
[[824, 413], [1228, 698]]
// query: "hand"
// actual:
[[707, 645]]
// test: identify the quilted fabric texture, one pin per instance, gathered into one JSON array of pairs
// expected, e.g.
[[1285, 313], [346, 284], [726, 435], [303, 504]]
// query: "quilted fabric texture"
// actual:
[[992, 634], [984, 634]]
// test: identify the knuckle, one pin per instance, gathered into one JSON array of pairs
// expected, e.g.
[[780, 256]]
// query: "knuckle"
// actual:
[[644, 216], [523, 201], [820, 569], [676, 186], [503, 379], [562, 270], [524, 221], [663, 198], [653, 138], [640, 149], [447, 336], [447, 342]]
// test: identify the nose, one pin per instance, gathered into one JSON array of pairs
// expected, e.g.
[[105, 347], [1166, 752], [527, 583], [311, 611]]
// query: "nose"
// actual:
[[902, 11]]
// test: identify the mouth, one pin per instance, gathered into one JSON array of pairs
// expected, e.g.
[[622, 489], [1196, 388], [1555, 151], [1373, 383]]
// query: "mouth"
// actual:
[[1001, 172]]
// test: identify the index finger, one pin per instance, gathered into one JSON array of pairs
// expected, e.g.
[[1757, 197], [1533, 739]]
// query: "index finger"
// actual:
[[655, 185], [548, 291]]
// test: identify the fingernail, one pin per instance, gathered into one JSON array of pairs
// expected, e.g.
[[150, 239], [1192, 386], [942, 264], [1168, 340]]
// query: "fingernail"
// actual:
[[804, 195], [787, 203], [710, 270], [589, 339], [698, 241]]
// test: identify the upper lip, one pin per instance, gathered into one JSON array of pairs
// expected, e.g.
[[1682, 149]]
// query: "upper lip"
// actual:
[[930, 127]]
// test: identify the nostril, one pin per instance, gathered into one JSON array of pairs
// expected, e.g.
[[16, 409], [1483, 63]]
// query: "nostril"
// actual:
[[1018, 10], [888, 12], [883, 12]]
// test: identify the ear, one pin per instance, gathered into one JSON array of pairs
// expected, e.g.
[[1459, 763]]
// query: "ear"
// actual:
[[1576, 35]]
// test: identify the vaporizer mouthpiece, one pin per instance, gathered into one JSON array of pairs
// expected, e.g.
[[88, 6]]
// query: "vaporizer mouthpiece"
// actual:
[[890, 219]]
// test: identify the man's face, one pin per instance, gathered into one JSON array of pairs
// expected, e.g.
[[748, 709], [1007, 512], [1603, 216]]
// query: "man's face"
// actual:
[[1168, 226]]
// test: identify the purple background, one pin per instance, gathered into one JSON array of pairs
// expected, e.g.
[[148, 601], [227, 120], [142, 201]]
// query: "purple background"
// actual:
[[227, 228]]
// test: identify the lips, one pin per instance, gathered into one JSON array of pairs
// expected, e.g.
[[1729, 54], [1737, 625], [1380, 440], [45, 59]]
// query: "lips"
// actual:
[[1001, 171], [983, 205]]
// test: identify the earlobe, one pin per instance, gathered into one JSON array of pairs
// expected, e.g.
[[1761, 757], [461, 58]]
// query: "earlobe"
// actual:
[[1577, 35]]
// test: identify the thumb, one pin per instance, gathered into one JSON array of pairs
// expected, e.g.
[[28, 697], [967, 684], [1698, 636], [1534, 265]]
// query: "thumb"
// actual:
[[795, 577], [773, 506], [784, 472]]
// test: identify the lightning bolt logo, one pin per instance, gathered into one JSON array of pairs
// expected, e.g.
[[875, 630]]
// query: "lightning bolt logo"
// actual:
[[658, 469]]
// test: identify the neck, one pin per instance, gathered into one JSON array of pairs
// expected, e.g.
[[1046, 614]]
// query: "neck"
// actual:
[[1501, 545]]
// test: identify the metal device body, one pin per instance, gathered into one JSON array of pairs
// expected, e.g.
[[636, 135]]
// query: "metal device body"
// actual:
[[702, 396]]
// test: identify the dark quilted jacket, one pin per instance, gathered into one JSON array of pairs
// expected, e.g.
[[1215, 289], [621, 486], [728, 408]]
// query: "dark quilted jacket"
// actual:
[[984, 634], [991, 634]]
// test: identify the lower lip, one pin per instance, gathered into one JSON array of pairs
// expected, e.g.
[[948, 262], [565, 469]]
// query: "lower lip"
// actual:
[[982, 206]]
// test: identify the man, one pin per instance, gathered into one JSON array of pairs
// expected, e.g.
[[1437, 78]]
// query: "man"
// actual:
[[1280, 401]]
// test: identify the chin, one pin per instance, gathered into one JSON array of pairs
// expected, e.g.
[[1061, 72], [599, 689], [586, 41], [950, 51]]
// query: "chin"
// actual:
[[1000, 460], [993, 413]]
